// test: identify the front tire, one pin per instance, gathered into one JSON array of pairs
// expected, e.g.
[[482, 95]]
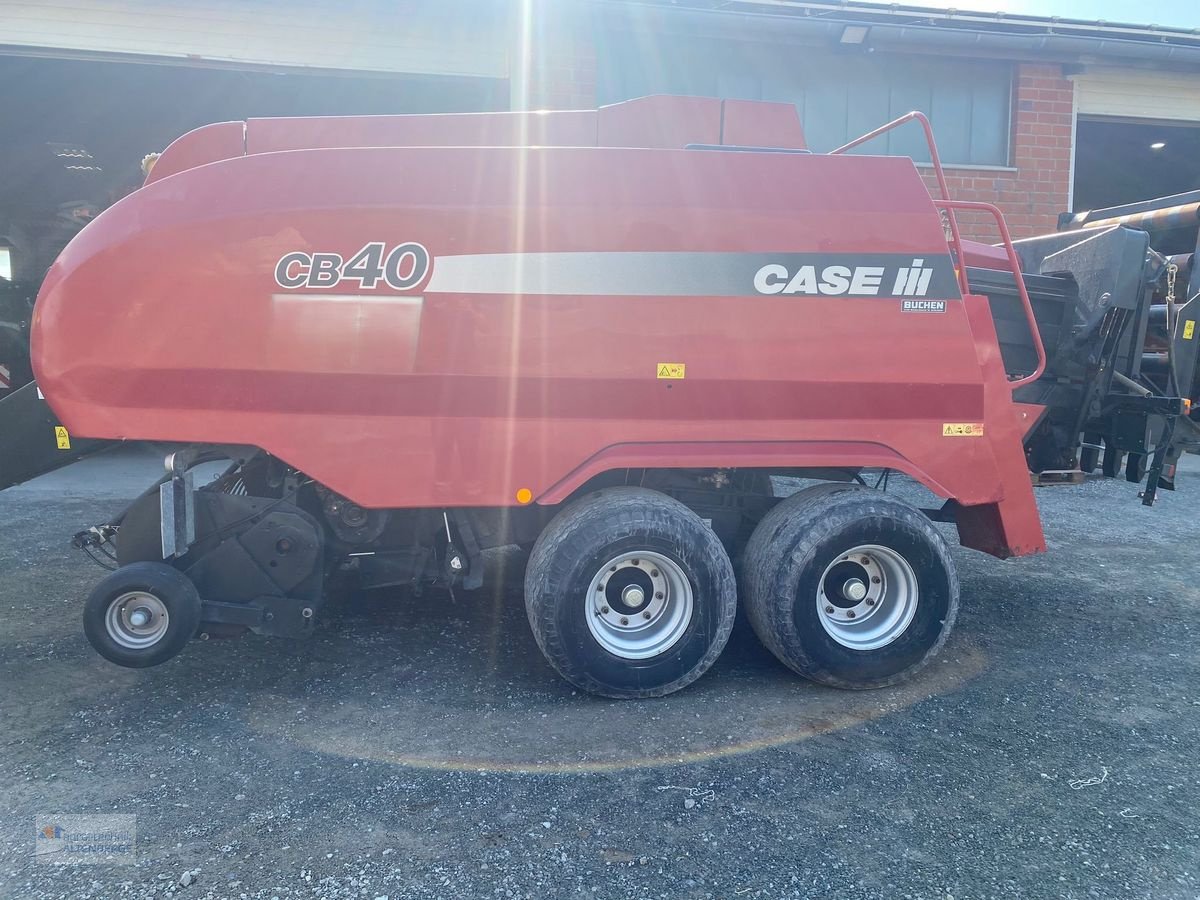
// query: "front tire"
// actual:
[[853, 589], [142, 614], [629, 594]]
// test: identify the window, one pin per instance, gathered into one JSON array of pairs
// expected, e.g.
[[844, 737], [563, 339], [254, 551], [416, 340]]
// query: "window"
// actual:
[[839, 95]]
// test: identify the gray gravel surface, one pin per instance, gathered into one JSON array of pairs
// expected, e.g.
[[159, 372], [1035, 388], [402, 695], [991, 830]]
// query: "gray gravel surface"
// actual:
[[420, 747]]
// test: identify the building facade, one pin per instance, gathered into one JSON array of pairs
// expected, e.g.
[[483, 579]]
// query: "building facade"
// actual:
[[1038, 116]]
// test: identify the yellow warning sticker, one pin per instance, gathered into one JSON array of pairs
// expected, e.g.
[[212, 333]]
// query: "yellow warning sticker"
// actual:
[[671, 370], [1189, 328], [962, 429], [63, 439]]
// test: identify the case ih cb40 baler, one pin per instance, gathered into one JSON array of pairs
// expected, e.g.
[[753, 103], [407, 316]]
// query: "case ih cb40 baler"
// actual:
[[597, 334]]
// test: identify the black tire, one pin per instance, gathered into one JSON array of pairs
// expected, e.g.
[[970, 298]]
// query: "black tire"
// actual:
[[1111, 462], [1136, 465], [172, 589], [809, 532], [1089, 457], [575, 548]]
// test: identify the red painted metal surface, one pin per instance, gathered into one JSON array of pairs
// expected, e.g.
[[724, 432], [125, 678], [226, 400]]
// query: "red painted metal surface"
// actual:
[[661, 121], [208, 143], [752, 123], [163, 320], [528, 129]]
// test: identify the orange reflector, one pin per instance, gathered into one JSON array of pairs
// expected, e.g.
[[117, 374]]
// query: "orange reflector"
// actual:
[[524, 495]]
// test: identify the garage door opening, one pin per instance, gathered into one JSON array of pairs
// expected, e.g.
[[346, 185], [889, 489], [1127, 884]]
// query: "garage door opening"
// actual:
[[1122, 161], [75, 131]]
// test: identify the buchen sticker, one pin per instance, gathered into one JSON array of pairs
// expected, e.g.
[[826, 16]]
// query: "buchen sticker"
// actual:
[[962, 429], [1189, 329], [672, 370], [62, 438]]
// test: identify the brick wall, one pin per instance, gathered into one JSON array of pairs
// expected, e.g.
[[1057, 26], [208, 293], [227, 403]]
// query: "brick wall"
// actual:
[[1032, 196]]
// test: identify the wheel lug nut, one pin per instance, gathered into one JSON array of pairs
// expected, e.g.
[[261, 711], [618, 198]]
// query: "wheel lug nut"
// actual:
[[829, 609], [624, 621], [876, 579], [646, 614], [658, 595], [850, 614], [604, 609], [636, 562], [865, 560], [870, 601], [654, 573]]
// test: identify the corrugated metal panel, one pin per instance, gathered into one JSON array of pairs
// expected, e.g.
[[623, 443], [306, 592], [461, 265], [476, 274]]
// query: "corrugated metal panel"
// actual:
[[839, 96], [416, 36], [1131, 93]]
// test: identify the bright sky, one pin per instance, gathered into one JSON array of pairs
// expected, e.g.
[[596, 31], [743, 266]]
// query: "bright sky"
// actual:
[[1168, 13]]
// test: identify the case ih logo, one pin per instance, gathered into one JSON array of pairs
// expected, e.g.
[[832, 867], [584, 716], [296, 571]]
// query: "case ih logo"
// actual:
[[403, 268], [854, 281]]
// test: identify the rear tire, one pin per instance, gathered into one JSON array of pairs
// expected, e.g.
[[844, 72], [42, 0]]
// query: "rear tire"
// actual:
[[142, 614], [853, 588], [629, 594]]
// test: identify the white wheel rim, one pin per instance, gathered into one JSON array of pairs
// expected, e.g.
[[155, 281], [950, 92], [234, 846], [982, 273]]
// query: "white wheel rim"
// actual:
[[639, 605], [867, 597], [137, 620]]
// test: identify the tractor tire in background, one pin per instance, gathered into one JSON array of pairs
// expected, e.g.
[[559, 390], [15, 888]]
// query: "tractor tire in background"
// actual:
[[1136, 465], [629, 594], [1111, 462], [850, 588], [1089, 456]]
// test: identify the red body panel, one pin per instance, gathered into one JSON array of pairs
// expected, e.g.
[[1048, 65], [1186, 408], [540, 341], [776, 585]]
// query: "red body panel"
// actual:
[[163, 320]]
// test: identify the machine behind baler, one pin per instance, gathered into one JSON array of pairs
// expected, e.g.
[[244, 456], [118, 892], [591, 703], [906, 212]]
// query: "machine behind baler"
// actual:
[[597, 334]]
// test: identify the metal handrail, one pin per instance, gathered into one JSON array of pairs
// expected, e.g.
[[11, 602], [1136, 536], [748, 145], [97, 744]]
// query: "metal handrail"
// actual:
[[955, 235], [1015, 263]]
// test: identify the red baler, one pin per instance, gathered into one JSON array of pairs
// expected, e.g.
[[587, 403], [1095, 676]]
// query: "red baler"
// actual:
[[597, 334]]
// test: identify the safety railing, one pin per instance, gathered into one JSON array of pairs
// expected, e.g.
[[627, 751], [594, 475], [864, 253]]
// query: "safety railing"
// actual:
[[1014, 263], [939, 173], [949, 206]]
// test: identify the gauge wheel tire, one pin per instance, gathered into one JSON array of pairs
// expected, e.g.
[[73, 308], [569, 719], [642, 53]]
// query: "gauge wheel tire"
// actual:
[[142, 614], [629, 594], [798, 558]]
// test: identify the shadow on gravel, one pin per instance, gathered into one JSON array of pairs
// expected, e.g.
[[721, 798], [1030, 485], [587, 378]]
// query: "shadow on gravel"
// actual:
[[456, 681]]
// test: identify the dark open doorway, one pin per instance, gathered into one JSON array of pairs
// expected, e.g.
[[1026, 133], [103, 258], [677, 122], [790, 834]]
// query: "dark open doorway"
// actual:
[[75, 131], [1119, 161]]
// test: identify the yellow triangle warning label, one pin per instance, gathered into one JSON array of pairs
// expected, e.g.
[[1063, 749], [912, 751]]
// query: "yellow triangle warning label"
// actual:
[[671, 370]]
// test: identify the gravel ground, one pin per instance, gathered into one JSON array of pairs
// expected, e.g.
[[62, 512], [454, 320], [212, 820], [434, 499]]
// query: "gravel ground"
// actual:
[[420, 747]]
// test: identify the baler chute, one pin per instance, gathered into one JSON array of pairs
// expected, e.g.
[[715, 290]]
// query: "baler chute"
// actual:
[[598, 335]]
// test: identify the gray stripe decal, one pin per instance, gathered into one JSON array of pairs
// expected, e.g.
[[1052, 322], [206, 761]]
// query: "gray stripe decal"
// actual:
[[687, 274]]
